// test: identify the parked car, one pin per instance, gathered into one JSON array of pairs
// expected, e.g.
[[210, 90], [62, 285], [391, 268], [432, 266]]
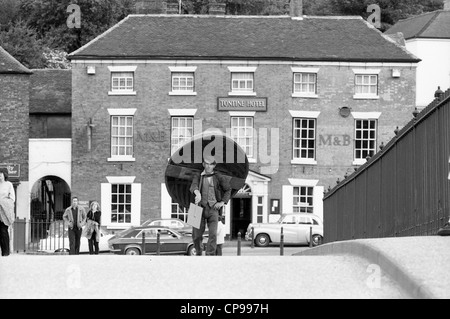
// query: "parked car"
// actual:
[[58, 240], [296, 230], [173, 223], [129, 241]]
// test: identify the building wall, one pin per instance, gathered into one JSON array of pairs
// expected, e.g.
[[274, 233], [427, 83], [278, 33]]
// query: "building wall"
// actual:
[[14, 124], [433, 70], [212, 80]]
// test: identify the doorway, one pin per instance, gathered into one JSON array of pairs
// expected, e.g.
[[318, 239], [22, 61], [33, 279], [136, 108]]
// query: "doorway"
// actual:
[[241, 215]]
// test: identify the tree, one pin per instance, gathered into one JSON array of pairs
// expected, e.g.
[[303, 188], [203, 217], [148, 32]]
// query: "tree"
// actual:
[[391, 10], [22, 43], [49, 18], [8, 12]]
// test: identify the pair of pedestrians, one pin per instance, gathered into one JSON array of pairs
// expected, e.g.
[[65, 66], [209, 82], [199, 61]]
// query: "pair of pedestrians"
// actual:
[[77, 218]]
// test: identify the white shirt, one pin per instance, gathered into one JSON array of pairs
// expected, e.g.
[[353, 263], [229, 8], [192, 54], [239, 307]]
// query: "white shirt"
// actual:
[[7, 190], [220, 233]]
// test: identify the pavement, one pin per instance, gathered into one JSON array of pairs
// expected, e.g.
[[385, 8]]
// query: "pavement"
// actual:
[[419, 265], [390, 268]]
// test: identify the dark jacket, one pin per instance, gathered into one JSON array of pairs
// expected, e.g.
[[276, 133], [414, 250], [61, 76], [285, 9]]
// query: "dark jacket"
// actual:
[[222, 188], [96, 217]]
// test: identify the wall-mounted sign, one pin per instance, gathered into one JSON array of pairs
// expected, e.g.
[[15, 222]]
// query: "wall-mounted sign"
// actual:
[[13, 170], [258, 104]]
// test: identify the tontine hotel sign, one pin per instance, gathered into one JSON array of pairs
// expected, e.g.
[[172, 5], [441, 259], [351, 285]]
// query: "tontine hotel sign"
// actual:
[[242, 104]]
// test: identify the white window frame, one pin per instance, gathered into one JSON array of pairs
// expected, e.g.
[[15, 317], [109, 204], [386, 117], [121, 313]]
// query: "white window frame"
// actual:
[[180, 212], [288, 195], [187, 71], [180, 141], [304, 115], [106, 200], [242, 91], [364, 116], [303, 71], [114, 70], [301, 139], [237, 137], [121, 113], [367, 73]]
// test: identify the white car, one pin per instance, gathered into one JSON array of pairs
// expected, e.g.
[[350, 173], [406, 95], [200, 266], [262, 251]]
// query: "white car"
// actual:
[[296, 230], [58, 240]]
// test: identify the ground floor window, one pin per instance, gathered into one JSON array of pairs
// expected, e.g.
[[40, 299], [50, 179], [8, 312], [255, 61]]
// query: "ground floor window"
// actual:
[[303, 199], [121, 202], [179, 212]]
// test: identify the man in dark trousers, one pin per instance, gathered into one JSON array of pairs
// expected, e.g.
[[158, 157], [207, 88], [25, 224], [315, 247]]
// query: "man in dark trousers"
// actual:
[[212, 191], [75, 216]]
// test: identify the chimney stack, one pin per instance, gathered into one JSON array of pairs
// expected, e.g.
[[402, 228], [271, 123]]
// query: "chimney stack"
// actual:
[[296, 8], [149, 7], [172, 8], [447, 5], [217, 8]]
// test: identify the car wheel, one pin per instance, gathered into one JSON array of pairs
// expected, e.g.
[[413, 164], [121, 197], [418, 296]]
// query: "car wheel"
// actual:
[[262, 240], [191, 251], [132, 251], [317, 240]]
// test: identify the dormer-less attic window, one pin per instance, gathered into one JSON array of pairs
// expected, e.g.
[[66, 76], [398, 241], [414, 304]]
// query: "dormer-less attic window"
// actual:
[[242, 81], [122, 80], [366, 84]]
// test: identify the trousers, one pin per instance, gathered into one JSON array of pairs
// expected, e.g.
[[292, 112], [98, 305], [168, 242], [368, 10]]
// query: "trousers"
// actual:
[[93, 244], [210, 218], [74, 240], [4, 239]]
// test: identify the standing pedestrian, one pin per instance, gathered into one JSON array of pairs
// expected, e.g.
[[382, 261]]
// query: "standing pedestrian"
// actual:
[[93, 221], [7, 200], [220, 235], [212, 191], [75, 216]]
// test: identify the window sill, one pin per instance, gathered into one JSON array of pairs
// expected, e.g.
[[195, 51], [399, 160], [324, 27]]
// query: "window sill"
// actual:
[[299, 161], [116, 93], [121, 159], [359, 162], [306, 96], [252, 160], [174, 93], [242, 93], [365, 97]]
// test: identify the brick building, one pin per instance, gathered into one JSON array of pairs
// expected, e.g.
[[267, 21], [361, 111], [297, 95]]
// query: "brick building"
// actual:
[[14, 122], [50, 143], [308, 98]]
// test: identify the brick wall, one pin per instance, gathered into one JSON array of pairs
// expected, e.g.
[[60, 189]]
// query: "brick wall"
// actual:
[[14, 121], [152, 121]]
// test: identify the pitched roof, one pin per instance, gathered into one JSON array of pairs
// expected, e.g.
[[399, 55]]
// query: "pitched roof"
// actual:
[[51, 91], [434, 24], [9, 65], [244, 37]]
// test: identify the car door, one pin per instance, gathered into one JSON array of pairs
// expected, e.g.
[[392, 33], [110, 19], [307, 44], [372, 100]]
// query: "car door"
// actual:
[[290, 229], [150, 240], [170, 242]]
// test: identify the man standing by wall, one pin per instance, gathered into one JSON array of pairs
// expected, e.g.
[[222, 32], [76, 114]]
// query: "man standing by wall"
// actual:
[[75, 216]]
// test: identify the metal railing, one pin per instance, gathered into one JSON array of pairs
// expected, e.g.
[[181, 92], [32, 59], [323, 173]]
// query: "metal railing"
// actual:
[[39, 236], [403, 190]]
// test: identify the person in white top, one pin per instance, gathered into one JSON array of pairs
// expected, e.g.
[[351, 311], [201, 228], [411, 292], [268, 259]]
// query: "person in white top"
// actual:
[[220, 235], [7, 200]]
